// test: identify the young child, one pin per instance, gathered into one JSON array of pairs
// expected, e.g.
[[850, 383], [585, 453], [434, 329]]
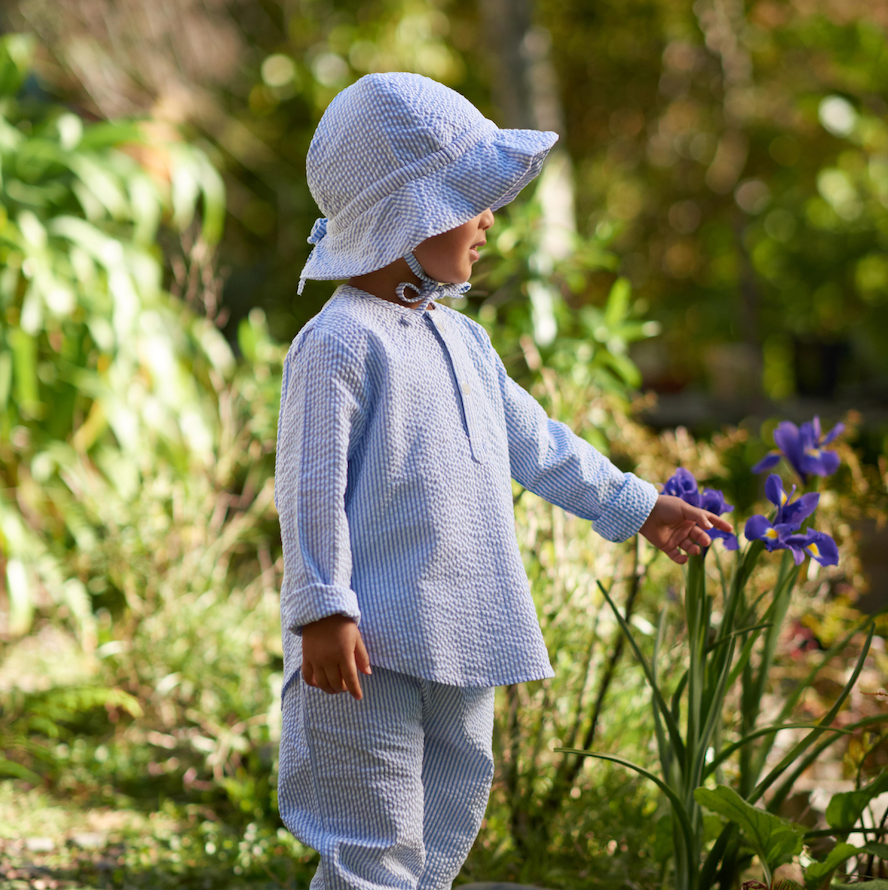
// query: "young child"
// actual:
[[399, 435]]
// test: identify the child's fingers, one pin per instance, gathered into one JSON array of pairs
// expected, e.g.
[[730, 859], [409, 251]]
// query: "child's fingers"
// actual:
[[704, 519], [690, 547], [350, 680], [362, 659], [329, 679], [308, 674], [697, 536], [676, 556], [719, 522]]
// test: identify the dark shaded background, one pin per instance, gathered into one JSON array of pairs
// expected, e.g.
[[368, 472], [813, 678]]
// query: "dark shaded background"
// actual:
[[733, 156]]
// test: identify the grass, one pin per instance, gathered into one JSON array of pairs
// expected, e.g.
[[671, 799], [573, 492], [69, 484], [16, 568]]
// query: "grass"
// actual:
[[47, 843]]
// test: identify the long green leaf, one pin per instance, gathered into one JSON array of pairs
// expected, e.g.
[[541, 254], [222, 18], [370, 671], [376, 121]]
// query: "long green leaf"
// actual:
[[780, 607], [671, 725], [17, 771], [743, 660], [823, 726], [695, 609], [736, 633], [724, 754], [110, 133], [710, 864], [823, 660], [817, 872], [716, 708], [674, 799], [663, 749]]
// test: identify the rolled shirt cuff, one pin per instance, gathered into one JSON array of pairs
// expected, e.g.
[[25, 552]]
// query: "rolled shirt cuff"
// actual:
[[315, 601], [626, 513]]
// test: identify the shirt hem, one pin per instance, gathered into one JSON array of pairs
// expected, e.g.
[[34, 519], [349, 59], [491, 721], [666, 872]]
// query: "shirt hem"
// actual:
[[449, 680]]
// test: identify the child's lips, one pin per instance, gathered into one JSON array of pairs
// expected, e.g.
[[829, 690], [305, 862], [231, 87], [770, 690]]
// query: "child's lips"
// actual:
[[474, 251]]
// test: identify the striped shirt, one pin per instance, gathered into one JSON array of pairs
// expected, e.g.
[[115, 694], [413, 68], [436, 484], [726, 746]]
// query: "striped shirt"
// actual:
[[398, 437]]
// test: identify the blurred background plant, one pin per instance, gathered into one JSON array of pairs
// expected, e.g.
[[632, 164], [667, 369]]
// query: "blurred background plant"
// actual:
[[709, 233]]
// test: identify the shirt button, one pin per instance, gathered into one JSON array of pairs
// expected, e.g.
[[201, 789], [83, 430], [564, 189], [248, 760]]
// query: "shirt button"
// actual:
[[465, 389]]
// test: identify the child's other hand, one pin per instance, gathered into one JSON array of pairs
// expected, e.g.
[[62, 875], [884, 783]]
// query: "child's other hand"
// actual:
[[674, 526], [332, 654]]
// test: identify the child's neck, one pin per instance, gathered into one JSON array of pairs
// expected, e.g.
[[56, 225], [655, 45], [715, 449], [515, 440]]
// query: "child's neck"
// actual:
[[383, 282]]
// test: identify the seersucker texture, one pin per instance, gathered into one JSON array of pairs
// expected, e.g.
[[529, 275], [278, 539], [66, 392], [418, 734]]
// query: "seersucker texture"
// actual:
[[399, 435], [390, 790], [397, 158]]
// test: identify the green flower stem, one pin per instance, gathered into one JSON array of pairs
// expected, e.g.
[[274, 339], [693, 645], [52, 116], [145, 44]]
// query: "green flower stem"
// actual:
[[671, 725]]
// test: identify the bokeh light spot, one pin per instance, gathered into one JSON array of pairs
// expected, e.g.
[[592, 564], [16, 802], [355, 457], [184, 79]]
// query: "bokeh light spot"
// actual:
[[278, 70], [330, 69], [837, 115], [752, 195]]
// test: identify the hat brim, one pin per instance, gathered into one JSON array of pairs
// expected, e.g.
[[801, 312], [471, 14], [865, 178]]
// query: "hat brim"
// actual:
[[490, 174]]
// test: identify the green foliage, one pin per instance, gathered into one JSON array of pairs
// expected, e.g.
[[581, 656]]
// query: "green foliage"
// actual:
[[167, 848], [136, 453], [97, 363], [734, 161], [845, 809], [818, 872], [741, 156], [730, 647], [774, 840], [51, 714]]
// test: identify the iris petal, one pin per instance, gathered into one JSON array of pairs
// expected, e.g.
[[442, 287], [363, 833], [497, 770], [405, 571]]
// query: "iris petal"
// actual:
[[713, 500], [774, 490], [804, 447], [771, 459], [821, 547], [788, 439], [838, 428], [729, 539], [756, 527]]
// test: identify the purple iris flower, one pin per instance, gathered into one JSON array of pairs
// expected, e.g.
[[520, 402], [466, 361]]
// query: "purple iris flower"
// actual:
[[790, 512], [817, 545], [804, 448], [783, 533], [682, 484]]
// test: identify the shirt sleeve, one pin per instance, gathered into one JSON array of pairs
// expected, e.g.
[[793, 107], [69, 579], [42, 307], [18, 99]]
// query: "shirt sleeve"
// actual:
[[550, 460], [319, 424]]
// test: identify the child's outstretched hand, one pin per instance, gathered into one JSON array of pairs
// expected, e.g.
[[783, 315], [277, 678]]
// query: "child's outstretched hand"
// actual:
[[332, 654], [674, 525]]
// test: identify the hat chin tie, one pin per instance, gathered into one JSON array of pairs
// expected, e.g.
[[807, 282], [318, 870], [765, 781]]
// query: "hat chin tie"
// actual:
[[428, 289]]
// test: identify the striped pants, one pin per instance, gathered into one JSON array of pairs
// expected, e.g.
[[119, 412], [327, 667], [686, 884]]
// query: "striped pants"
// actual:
[[390, 790]]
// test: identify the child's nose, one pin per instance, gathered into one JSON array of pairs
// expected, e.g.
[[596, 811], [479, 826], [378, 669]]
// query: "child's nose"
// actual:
[[487, 219]]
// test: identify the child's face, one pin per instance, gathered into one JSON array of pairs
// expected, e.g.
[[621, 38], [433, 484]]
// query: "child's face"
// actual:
[[449, 257]]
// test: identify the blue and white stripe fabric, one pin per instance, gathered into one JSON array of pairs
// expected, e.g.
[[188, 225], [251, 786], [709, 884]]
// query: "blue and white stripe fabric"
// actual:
[[428, 289], [397, 158], [390, 790], [398, 437]]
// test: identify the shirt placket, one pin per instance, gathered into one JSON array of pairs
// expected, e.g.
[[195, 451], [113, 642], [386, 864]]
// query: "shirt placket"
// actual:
[[467, 384]]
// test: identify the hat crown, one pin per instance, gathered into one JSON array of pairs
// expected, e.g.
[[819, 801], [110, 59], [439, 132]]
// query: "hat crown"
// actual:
[[382, 124]]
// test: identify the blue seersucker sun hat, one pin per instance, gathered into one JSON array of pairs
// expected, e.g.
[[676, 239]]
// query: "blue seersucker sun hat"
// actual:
[[397, 158]]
